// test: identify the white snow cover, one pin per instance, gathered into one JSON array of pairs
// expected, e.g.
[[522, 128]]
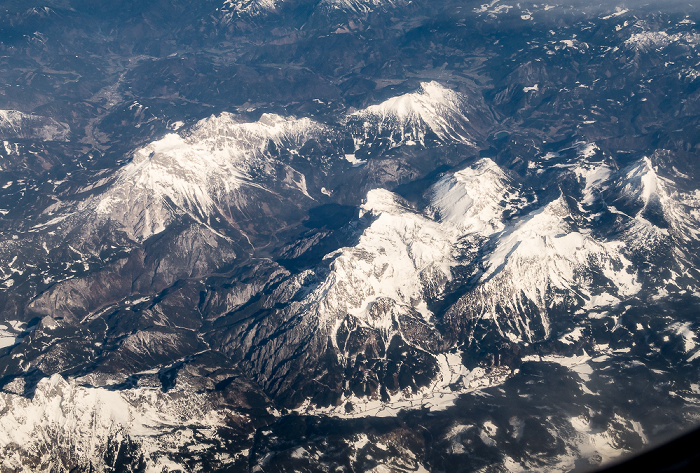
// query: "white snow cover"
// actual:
[[594, 176], [493, 8], [434, 107], [253, 8], [23, 125], [403, 256], [203, 171], [10, 331], [395, 258], [85, 419], [659, 39], [248, 7], [541, 258], [404, 253], [470, 199], [641, 183], [452, 381], [197, 171], [360, 6], [685, 330], [619, 11]]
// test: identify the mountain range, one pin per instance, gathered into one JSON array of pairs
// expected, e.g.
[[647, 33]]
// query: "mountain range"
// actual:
[[360, 236]]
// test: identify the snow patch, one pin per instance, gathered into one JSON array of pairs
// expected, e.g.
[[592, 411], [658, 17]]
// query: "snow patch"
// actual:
[[452, 381]]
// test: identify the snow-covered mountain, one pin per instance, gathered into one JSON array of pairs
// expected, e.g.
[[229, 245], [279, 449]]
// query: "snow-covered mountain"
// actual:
[[475, 199], [66, 425], [525, 270], [17, 125], [210, 171], [267, 236], [653, 200], [230, 183], [371, 296], [375, 295], [434, 113], [233, 9], [218, 168], [543, 262], [361, 6]]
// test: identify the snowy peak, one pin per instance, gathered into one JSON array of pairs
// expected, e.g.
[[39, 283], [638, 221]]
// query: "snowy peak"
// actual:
[[379, 201], [224, 132], [411, 118], [383, 282], [474, 199], [255, 9], [542, 262], [657, 208], [392, 257], [646, 40], [360, 6], [201, 170], [248, 8], [643, 195], [539, 233], [405, 256], [232, 9], [594, 178], [641, 184]]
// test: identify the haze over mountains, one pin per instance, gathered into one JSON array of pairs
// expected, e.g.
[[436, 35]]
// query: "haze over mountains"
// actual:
[[366, 236]]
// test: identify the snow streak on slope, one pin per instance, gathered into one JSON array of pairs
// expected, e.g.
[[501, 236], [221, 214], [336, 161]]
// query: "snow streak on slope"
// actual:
[[201, 171], [360, 6], [408, 118], [642, 184], [593, 176], [545, 261]]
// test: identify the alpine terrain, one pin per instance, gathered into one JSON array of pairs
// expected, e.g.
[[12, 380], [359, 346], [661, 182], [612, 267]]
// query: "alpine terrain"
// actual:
[[347, 235]]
